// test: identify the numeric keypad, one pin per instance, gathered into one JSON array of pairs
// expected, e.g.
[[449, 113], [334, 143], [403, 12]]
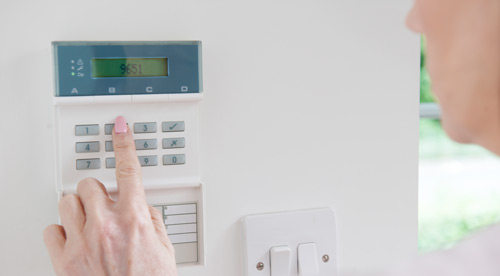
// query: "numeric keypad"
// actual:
[[144, 144]]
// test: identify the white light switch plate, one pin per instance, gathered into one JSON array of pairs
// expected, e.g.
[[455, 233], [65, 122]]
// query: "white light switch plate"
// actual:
[[263, 232]]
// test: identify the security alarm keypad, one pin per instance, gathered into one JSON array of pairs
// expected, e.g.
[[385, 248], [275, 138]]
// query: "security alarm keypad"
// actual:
[[157, 87]]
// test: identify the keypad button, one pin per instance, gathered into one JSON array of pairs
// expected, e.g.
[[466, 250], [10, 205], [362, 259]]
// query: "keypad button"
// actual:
[[181, 228], [88, 164], [173, 126], [146, 144], [146, 161], [180, 209], [108, 146], [144, 127], [174, 159], [86, 130], [87, 147], [172, 143], [108, 129], [110, 163], [180, 219], [183, 238]]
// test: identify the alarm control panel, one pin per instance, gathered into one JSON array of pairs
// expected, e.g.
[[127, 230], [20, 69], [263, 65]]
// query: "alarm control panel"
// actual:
[[157, 87]]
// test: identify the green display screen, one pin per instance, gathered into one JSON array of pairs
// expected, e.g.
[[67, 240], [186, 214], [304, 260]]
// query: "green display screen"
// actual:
[[129, 67]]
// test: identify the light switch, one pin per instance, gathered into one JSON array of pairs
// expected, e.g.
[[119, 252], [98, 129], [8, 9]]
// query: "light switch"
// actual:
[[304, 239], [280, 261], [308, 259]]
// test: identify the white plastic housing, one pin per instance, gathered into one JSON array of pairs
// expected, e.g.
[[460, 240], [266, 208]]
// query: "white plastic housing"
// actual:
[[164, 185]]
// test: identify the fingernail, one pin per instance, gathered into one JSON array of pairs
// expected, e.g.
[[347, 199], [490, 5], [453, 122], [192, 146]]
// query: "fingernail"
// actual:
[[120, 125]]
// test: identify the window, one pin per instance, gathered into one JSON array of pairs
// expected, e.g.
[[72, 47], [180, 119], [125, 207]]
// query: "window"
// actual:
[[459, 185]]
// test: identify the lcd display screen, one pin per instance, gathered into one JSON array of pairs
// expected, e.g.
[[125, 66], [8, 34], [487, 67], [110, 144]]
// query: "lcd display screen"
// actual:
[[129, 67]]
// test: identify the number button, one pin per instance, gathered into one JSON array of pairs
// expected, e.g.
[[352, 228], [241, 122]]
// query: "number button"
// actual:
[[146, 144], [173, 126], [172, 143], [147, 161], [108, 146], [108, 129], [86, 130], [87, 147], [88, 164], [174, 159], [144, 127], [110, 163]]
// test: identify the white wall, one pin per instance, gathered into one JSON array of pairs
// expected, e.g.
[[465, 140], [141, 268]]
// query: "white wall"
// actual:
[[307, 104]]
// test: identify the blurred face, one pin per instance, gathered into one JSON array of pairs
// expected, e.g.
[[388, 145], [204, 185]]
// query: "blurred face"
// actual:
[[463, 60]]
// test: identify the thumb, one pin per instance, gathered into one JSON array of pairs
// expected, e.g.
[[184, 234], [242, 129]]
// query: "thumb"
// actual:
[[55, 238]]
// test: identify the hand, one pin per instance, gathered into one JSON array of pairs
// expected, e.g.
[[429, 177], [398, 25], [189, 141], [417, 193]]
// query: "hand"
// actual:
[[100, 236]]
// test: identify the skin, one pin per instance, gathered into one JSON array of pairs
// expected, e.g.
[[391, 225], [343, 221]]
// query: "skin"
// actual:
[[100, 236], [463, 60]]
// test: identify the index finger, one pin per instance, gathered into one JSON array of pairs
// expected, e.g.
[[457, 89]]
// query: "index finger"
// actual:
[[128, 169]]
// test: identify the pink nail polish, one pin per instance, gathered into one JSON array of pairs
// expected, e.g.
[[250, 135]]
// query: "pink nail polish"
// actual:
[[120, 125]]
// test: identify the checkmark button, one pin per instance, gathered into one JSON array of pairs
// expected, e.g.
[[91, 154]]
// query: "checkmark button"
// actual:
[[173, 126]]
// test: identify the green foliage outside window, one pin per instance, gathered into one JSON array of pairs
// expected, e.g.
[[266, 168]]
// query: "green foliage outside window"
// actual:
[[425, 81], [453, 214]]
